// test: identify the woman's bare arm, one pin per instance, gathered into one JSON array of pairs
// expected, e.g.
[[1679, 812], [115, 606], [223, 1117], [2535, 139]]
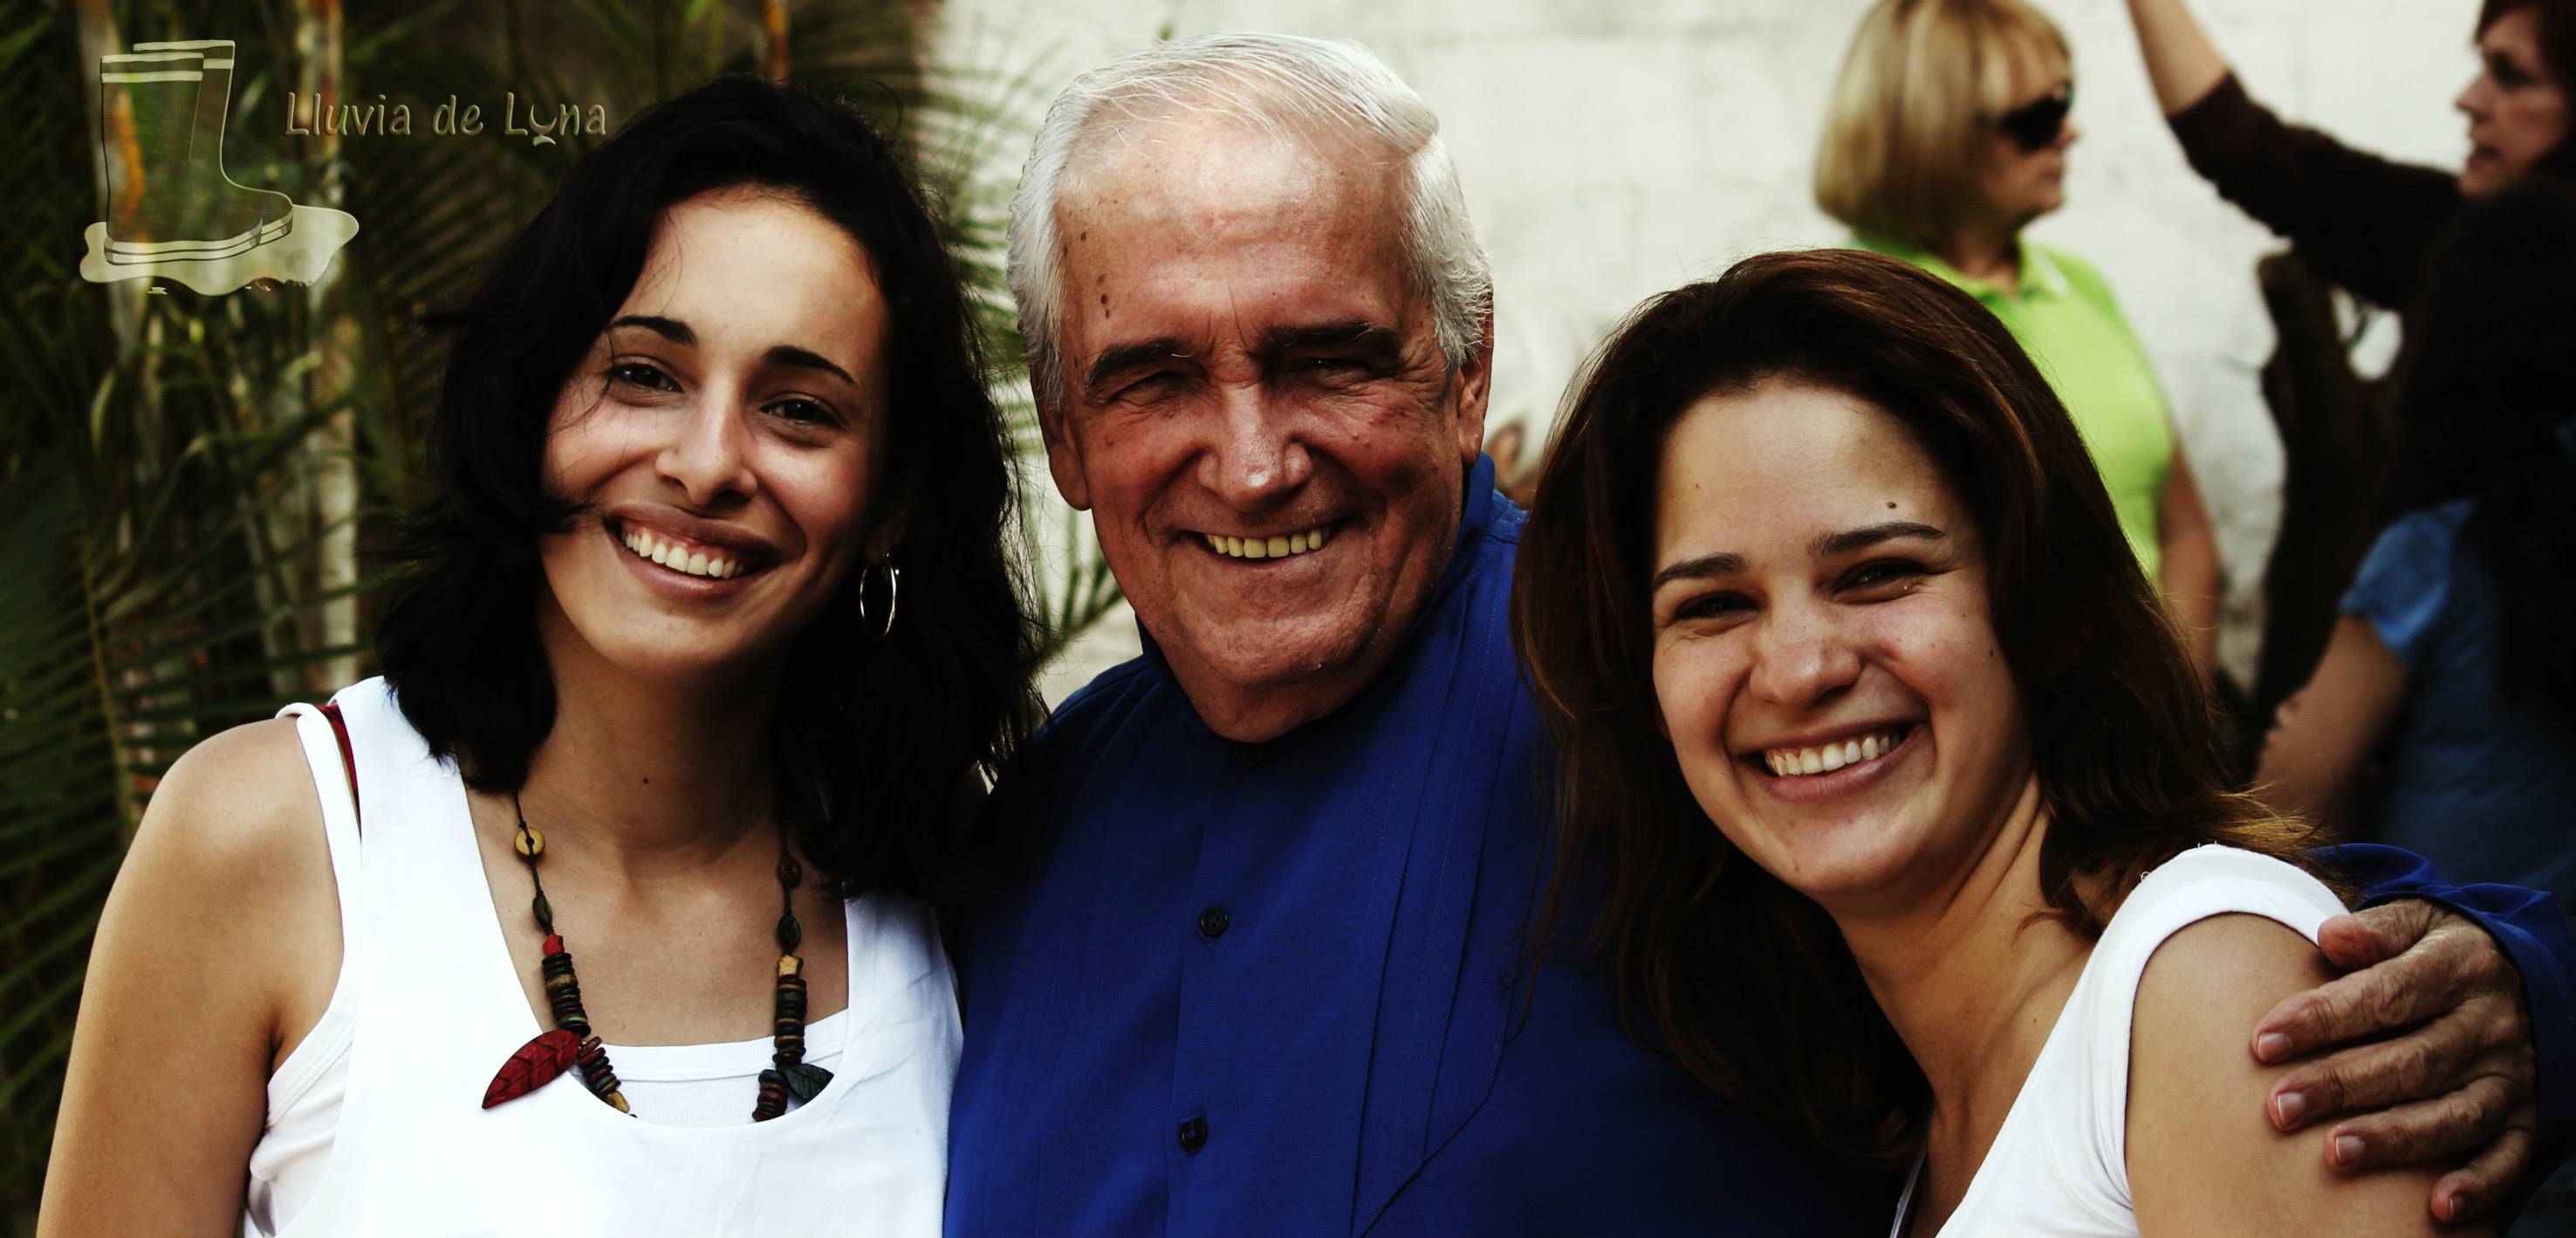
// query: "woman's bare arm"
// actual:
[[2188, 565], [2331, 725], [216, 952], [2202, 1162], [2181, 60]]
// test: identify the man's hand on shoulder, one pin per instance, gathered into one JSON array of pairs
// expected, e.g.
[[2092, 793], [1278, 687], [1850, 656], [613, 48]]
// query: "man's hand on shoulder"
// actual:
[[2421, 1054], [2199, 1163]]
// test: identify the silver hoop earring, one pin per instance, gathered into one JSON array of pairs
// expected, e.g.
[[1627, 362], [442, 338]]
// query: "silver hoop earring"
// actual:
[[879, 629]]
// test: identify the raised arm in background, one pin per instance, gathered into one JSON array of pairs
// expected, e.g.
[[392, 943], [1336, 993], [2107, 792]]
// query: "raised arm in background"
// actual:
[[2181, 60], [2362, 222]]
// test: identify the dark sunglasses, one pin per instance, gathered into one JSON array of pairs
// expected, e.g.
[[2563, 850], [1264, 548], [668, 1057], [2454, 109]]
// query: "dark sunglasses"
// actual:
[[2034, 126]]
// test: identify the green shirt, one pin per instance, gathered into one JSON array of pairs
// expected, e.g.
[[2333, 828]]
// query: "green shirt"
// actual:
[[2067, 321]]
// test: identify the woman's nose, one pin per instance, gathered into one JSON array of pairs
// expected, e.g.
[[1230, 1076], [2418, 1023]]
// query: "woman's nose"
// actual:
[[2473, 98], [1802, 658], [709, 457]]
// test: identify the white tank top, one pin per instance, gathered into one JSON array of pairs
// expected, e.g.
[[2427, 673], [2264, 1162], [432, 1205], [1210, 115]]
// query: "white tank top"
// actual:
[[2060, 1163], [375, 1122]]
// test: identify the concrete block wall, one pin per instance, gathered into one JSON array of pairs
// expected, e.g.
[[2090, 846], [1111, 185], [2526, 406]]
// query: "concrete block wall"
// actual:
[[1613, 150]]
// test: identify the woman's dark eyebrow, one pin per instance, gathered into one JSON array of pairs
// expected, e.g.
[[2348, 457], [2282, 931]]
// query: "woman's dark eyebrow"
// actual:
[[1849, 540], [1724, 563], [1728, 563], [678, 332], [671, 329], [798, 358]]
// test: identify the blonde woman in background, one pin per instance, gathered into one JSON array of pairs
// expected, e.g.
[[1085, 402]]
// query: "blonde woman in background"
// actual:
[[1946, 137]]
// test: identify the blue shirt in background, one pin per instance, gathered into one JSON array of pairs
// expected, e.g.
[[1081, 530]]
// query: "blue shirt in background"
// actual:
[[1276, 989], [2484, 786]]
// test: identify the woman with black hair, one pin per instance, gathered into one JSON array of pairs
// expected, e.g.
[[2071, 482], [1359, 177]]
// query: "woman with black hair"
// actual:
[[711, 634]]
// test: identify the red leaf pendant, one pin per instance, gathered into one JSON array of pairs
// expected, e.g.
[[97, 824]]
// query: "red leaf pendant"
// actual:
[[533, 1066]]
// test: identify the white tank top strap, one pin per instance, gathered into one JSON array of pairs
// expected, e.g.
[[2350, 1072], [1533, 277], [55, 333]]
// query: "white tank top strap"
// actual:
[[304, 1092], [329, 1039], [331, 781]]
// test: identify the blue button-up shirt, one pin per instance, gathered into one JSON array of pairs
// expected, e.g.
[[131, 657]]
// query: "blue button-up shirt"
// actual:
[[1255, 989]]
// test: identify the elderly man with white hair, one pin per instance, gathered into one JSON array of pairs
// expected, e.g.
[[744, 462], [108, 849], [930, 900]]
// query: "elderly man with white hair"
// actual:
[[1256, 961]]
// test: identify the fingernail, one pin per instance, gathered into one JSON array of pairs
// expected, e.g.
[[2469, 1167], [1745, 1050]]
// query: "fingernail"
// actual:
[[2287, 1107], [2347, 1150], [2271, 1045]]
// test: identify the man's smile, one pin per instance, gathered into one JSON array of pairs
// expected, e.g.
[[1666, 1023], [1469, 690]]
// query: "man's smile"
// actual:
[[1271, 546]]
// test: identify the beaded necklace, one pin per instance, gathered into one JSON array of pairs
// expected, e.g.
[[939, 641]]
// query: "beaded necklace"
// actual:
[[572, 1043]]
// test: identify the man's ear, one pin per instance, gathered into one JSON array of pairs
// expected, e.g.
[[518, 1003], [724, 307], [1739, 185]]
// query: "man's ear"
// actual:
[[1064, 455], [1475, 387]]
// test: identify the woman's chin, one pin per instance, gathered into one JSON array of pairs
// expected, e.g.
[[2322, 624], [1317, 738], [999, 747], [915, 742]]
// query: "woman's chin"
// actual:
[[2483, 174], [1836, 863], [689, 666]]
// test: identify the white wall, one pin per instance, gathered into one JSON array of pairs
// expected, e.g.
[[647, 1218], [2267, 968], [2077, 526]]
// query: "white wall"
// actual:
[[1613, 150]]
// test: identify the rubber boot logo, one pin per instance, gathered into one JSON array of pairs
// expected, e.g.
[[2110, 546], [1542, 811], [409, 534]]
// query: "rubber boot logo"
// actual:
[[172, 211]]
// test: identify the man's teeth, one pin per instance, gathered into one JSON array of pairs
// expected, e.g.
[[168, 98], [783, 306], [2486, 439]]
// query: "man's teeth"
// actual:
[[1826, 758], [1267, 547], [680, 557]]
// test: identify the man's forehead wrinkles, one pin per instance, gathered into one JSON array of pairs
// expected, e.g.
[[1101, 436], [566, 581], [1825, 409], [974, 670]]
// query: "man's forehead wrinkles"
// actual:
[[1212, 173]]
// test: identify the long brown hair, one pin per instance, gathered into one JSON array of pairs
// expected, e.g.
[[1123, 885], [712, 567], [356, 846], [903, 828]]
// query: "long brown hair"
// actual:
[[1746, 982]]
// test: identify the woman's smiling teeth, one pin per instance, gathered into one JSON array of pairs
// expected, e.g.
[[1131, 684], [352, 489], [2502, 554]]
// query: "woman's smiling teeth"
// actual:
[[680, 556], [1826, 758], [1267, 547]]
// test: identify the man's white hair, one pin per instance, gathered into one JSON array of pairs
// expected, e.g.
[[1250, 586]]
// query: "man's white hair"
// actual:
[[1279, 84]]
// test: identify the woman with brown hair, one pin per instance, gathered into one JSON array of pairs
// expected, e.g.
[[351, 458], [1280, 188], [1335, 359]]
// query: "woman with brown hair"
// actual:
[[1820, 556]]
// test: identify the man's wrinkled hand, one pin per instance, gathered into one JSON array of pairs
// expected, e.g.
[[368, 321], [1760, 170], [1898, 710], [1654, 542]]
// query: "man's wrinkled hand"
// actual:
[[2430, 1058]]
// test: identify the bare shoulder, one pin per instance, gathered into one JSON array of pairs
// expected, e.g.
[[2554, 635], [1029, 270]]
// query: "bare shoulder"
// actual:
[[238, 789], [2203, 1159], [214, 956], [240, 817], [2226, 962], [231, 856]]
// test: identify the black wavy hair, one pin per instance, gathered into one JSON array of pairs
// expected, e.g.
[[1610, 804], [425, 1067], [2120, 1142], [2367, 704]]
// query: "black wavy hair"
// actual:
[[878, 744], [2488, 411]]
